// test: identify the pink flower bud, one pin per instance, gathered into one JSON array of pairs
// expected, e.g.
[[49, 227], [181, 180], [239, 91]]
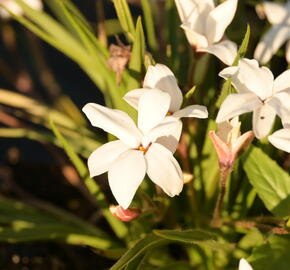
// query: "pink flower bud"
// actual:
[[228, 142], [125, 215]]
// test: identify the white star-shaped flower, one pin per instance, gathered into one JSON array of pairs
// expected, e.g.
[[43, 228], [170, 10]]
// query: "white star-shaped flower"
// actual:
[[278, 15], [257, 92], [160, 79], [205, 25], [16, 9], [136, 153], [244, 265]]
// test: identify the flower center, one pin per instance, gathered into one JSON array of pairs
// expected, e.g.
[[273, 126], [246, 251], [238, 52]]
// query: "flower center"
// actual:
[[143, 149], [169, 114]]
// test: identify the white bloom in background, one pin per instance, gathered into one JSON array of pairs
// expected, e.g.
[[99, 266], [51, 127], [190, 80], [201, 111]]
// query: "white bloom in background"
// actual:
[[205, 25], [281, 138], [160, 79], [278, 15], [244, 265], [16, 9], [258, 92], [136, 153], [228, 142]]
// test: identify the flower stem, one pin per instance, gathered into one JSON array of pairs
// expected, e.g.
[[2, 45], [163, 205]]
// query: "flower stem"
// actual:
[[216, 220]]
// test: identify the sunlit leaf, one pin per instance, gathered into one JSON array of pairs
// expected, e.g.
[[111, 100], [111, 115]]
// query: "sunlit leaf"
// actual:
[[270, 181], [125, 17]]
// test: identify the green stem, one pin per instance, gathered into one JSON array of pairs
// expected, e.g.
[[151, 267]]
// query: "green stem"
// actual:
[[216, 220]]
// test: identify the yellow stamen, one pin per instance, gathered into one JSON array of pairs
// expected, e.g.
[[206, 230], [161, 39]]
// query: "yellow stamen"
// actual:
[[141, 148], [169, 114]]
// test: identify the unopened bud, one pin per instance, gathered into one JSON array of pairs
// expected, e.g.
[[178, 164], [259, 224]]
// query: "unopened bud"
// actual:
[[187, 178], [125, 215]]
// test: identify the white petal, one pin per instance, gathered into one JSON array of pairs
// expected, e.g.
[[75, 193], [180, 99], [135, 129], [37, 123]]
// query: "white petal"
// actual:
[[115, 122], [258, 80], [233, 72], [271, 42], [152, 109], [194, 38], [161, 77], [166, 133], [281, 139], [280, 102], [282, 82], [186, 9], [11, 6], [36, 4], [263, 119], [219, 19], [132, 97], [236, 104], [244, 265], [197, 111], [226, 51], [287, 53], [276, 12], [164, 170], [103, 157], [125, 176], [228, 72]]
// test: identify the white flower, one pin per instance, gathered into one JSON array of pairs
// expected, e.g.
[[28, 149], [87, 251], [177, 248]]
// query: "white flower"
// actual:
[[257, 92], [204, 26], [278, 15], [228, 141], [160, 79], [281, 138], [244, 265], [136, 153], [16, 9]]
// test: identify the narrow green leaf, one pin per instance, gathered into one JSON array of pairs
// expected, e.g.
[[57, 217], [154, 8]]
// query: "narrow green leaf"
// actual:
[[197, 237], [137, 57], [24, 223], [244, 46], [125, 17], [149, 242], [149, 24], [270, 181]]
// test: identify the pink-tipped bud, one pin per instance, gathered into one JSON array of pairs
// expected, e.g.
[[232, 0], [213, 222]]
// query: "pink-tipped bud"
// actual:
[[228, 142], [125, 215]]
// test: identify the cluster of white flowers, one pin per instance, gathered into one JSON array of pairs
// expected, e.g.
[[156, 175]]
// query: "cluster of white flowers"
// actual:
[[147, 148], [258, 92]]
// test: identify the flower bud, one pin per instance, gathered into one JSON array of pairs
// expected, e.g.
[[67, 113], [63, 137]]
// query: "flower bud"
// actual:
[[125, 215]]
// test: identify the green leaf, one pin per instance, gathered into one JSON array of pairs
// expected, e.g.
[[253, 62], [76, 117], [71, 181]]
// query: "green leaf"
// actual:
[[244, 46], [270, 181], [119, 228], [149, 242], [149, 23], [137, 57], [272, 255], [22, 223], [197, 237], [227, 86], [125, 17], [208, 170]]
